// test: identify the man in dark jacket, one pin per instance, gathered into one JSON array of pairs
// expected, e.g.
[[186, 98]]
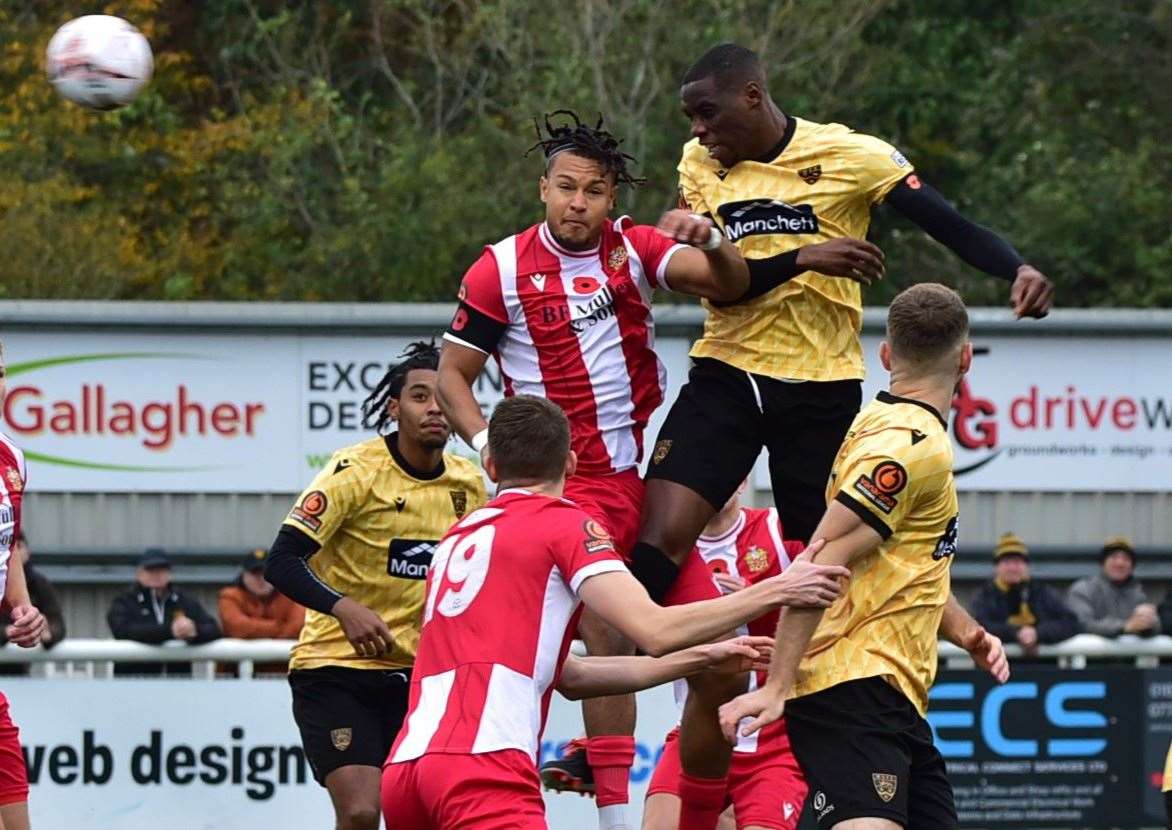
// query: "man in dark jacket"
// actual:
[[154, 611], [1017, 609], [44, 597]]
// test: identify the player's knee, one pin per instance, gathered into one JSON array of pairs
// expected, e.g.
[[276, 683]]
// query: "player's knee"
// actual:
[[714, 689], [358, 817]]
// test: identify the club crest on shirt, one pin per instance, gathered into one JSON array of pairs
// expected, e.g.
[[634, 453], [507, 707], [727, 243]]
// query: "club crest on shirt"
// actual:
[[459, 502], [885, 785], [15, 482], [810, 174], [616, 258], [342, 738], [756, 560], [662, 448]]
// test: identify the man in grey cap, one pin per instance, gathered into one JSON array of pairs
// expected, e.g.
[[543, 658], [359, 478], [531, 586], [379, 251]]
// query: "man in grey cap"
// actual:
[[1112, 602], [154, 611]]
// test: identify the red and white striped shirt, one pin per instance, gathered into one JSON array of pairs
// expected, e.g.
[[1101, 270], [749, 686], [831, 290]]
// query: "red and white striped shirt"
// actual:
[[752, 549], [578, 330], [502, 600], [13, 477]]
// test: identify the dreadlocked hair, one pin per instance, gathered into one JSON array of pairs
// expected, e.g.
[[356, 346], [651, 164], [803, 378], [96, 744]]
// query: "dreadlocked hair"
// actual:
[[593, 143], [417, 355]]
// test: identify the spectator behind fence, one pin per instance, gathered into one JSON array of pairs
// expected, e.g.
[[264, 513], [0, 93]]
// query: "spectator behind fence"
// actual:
[[154, 611], [1018, 609], [44, 597], [252, 609], [1112, 602]]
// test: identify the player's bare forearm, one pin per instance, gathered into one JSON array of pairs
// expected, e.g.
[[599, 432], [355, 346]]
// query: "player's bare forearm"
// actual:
[[795, 629], [16, 588], [604, 676], [620, 600], [458, 369], [720, 274], [601, 676], [957, 626]]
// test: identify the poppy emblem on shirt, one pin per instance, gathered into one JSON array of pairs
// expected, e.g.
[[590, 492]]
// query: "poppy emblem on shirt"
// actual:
[[718, 566], [662, 448], [756, 560], [585, 285], [810, 174], [15, 482], [460, 320], [616, 258]]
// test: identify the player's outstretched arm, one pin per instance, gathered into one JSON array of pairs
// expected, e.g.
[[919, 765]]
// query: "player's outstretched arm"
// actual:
[[459, 366], [601, 676], [1031, 294], [958, 627], [622, 601], [712, 268], [848, 538]]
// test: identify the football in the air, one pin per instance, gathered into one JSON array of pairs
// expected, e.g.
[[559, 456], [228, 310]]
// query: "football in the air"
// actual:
[[99, 61]]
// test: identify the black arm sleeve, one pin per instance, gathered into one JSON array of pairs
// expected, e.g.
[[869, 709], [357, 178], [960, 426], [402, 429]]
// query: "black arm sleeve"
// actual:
[[975, 244], [472, 327], [287, 567], [768, 273]]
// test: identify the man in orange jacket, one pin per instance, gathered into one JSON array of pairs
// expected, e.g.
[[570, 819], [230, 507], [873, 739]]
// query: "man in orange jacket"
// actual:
[[252, 609]]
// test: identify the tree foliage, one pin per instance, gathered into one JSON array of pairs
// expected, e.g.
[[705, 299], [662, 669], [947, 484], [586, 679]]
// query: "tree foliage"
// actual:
[[367, 149]]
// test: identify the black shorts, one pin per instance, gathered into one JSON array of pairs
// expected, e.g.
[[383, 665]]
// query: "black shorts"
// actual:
[[867, 753], [348, 716], [724, 416]]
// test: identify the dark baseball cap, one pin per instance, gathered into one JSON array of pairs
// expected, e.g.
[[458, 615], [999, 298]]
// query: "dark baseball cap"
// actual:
[[254, 560], [154, 558]]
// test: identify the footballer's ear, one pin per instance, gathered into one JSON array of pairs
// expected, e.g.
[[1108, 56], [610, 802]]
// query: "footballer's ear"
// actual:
[[966, 358], [885, 355], [543, 189], [490, 468], [393, 408], [571, 463]]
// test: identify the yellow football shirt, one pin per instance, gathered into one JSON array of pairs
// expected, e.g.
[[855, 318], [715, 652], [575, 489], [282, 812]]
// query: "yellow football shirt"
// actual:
[[895, 471], [1168, 772], [820, 186], [377, 522]]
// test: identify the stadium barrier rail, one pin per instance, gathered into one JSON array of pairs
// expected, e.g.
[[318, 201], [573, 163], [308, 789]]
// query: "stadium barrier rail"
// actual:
[[97, 656]]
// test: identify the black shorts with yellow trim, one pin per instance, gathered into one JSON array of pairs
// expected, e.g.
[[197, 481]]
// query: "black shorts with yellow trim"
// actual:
[[348, 717], [867, 752]]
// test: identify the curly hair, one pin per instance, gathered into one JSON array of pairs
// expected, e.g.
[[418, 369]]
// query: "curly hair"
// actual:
[[593, 143]]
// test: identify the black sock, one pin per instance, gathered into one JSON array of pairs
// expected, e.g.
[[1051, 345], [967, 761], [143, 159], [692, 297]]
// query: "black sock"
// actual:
[[652, 567]]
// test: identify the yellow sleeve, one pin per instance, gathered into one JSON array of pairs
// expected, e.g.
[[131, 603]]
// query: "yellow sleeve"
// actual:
[[330, 498], [877, 480], [876, 165], [1168, 771], [690, 197]]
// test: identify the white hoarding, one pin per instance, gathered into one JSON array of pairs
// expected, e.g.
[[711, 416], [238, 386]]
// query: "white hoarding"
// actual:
[[218, 755], [109, 411]]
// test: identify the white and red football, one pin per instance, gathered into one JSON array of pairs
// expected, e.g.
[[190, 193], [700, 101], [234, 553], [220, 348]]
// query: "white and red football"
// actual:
[[99, 61]]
